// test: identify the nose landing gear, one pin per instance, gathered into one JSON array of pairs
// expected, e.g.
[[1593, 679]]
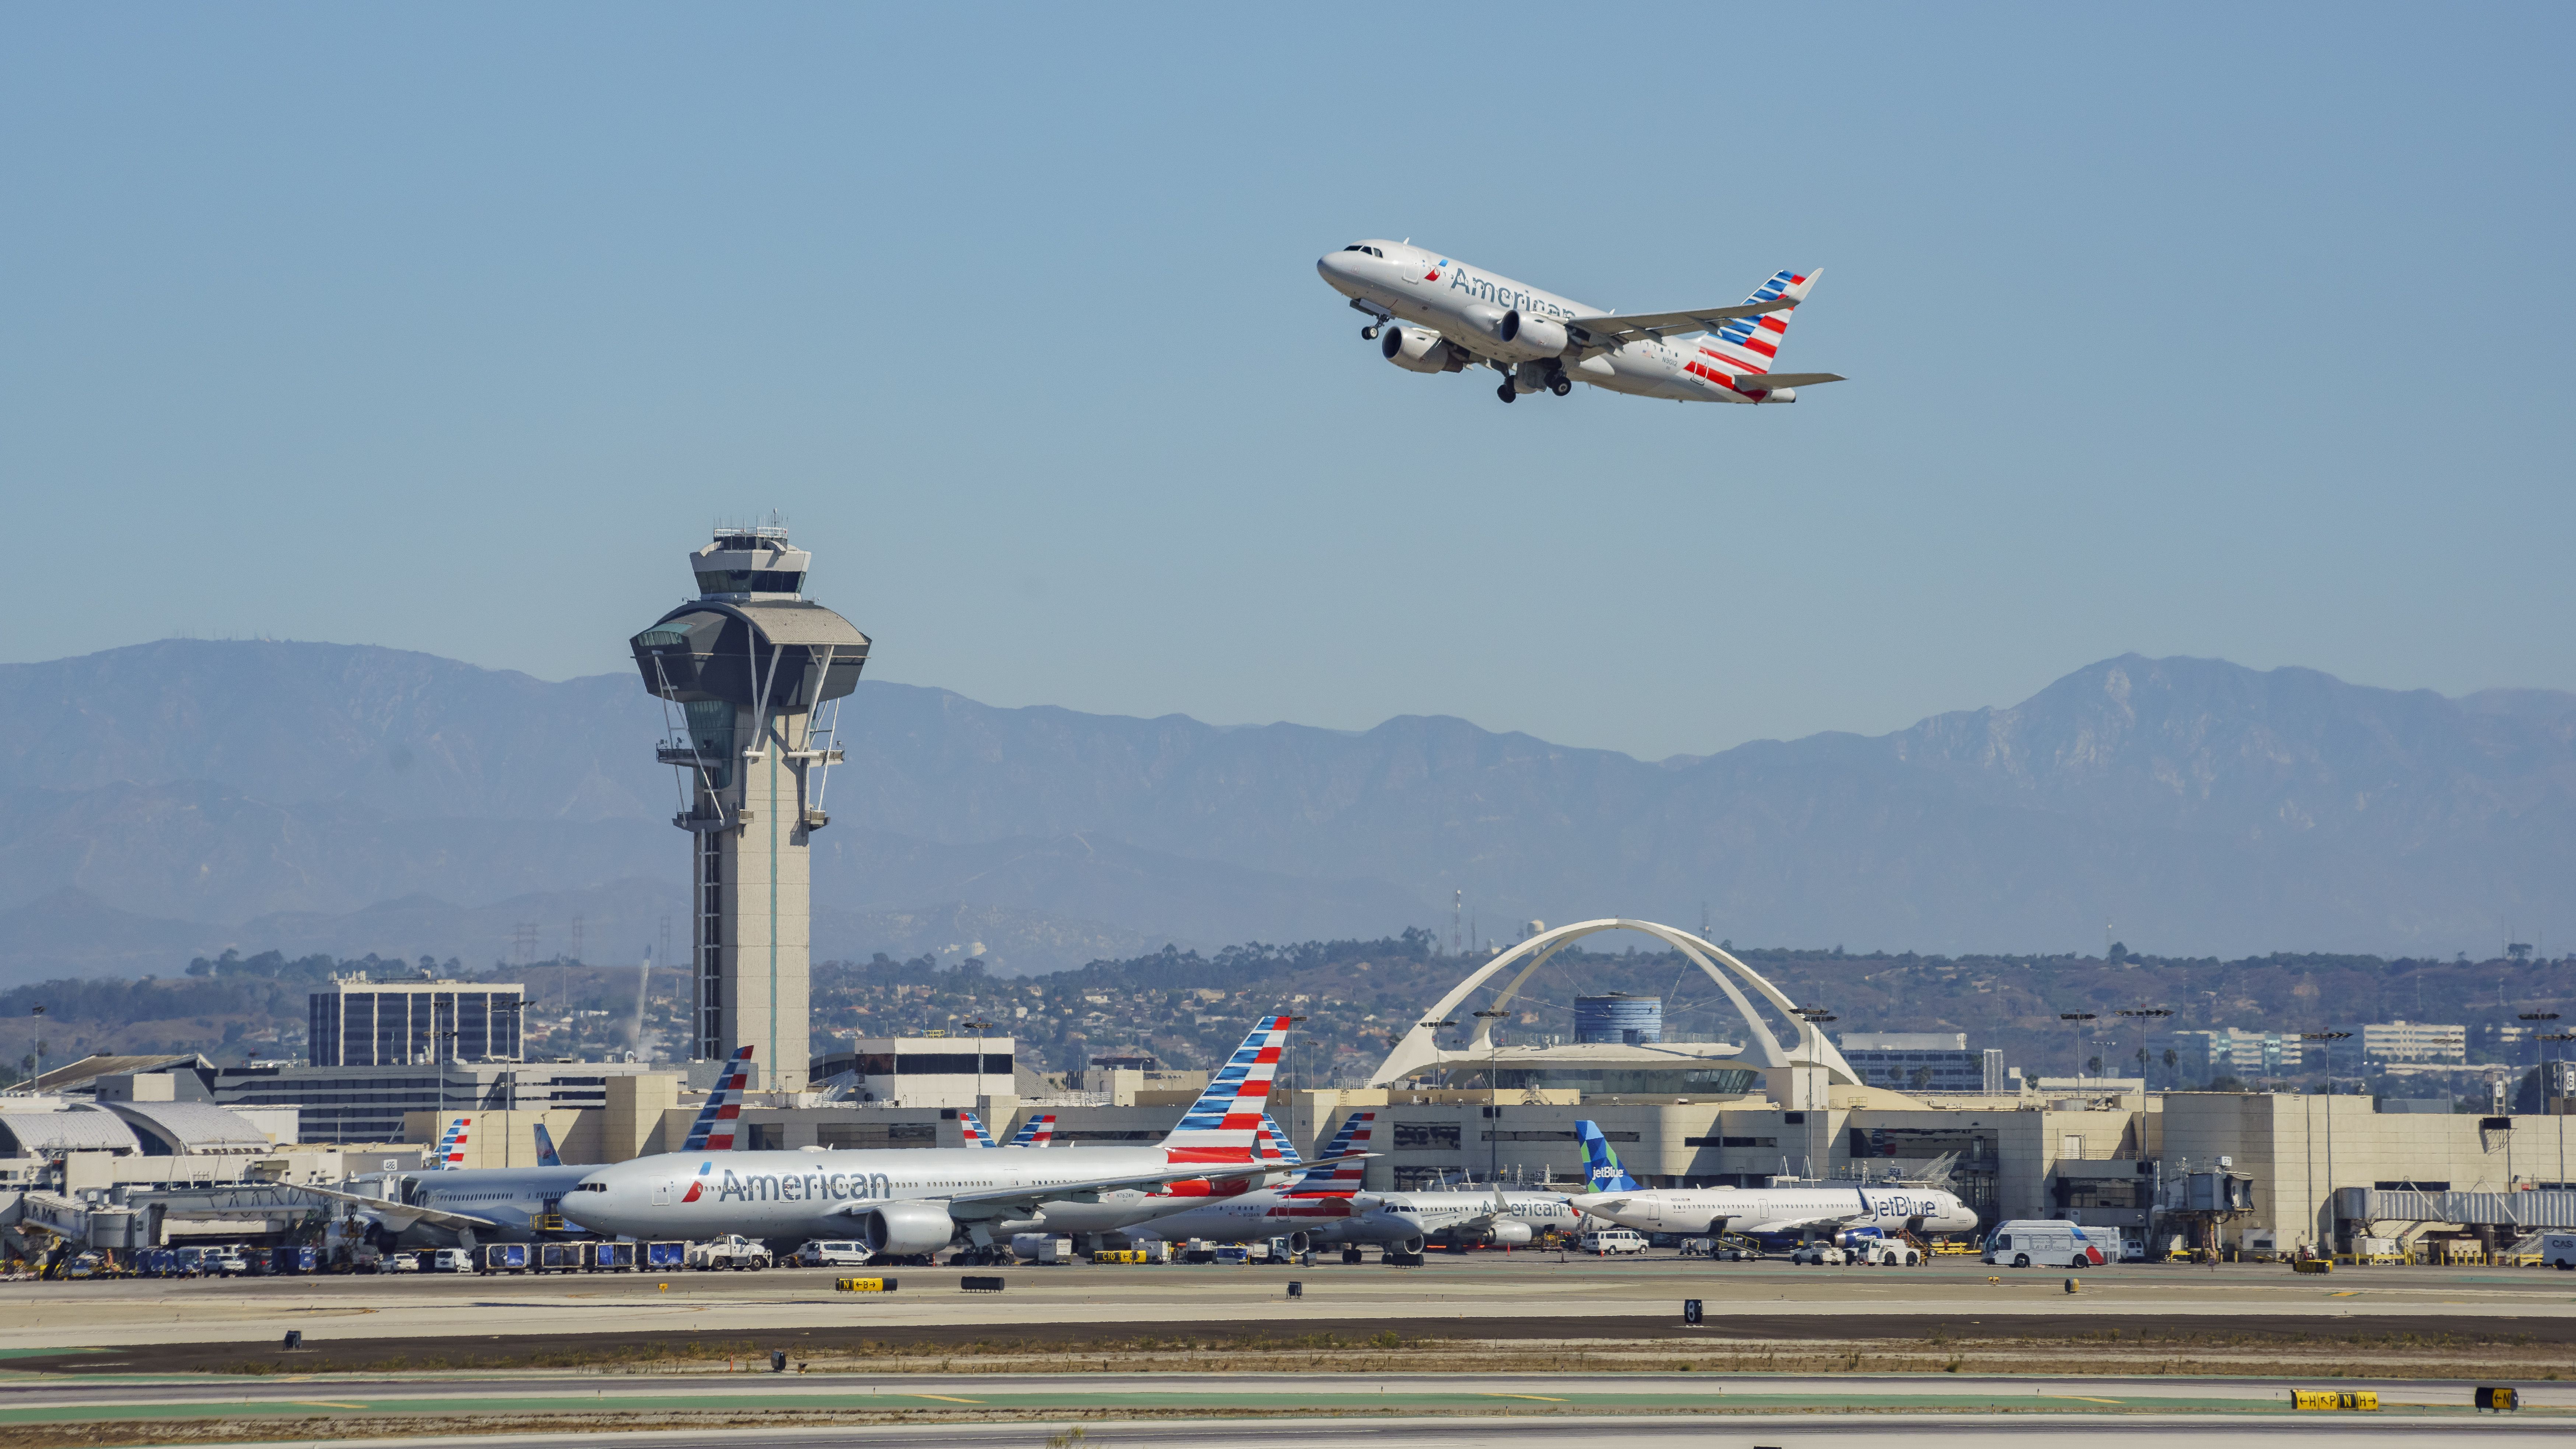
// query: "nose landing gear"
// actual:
[[1505, 392], [1369, 333]]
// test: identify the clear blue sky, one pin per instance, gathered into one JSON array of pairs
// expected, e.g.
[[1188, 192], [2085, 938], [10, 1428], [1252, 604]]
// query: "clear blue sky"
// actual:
[[2235, 331]]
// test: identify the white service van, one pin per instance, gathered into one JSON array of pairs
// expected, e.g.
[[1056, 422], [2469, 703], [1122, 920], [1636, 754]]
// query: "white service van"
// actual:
[[447, 1260], [1606, 1241], [832, 1253], [2045, 1243], [2558, 1250]]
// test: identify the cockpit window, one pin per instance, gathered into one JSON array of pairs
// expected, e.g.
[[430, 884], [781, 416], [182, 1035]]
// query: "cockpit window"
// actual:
[[1371, 251]]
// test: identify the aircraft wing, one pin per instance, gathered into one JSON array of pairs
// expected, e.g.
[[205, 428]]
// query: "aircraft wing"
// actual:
[[1757, 381], [400, 1215], [1611, 331], [1791, 1225], [1186, 1173]]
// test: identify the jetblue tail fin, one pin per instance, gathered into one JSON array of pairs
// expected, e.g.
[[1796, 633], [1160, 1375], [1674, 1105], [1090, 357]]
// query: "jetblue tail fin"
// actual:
[[451, 1145], [1341, 1176], [713, 1131], [1601, 1169], [1750, 344], [546, 1154], [1036, 1132], [1221, 1124]]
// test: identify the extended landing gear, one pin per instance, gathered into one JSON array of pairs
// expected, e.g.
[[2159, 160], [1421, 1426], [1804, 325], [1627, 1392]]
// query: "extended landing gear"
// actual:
[[1369, 333], [1352, 1256], [1560, 387], [1505, 392]]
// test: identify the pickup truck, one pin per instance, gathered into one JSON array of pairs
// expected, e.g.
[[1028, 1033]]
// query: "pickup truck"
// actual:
[[733, 1250]]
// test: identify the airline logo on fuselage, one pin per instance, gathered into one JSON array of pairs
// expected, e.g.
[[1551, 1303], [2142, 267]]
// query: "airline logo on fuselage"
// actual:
[[790, 1186], [1462, 280]]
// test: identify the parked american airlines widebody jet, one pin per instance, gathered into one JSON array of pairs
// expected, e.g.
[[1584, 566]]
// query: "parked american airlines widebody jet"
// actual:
[[912, 1201], [1536, 339]]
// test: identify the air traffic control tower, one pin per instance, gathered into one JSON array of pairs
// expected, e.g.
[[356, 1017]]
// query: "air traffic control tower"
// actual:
[[747, 670]]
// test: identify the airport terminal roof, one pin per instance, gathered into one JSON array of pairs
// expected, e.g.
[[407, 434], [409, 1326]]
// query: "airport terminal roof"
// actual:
[[76, 1075], [187, 1128], [31, 1131]]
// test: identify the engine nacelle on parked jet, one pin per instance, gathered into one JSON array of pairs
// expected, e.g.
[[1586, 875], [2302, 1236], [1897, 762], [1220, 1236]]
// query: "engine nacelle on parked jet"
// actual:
[[1419, 349], [1527, 336], [1509, 1235], [906, 1227]]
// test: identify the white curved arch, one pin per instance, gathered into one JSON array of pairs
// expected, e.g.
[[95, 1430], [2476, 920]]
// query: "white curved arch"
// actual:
[[1417, 1048]]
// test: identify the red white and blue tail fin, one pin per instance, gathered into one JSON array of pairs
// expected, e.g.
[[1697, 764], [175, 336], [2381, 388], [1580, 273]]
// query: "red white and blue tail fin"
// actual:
[[1751, 344], [713, 1131], [1221, 1124], [546, 1154], [1037, 1132], [1341, 1176], [972, 1127], [1275, 1146], [451, 1146]]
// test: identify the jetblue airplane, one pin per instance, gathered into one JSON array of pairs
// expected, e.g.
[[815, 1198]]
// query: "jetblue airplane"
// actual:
[[1759, 1212], [909, 1201], [450, 1206], [1459, 315]]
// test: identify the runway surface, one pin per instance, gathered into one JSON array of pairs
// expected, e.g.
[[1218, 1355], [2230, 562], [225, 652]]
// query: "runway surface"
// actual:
[[1487, 1288]]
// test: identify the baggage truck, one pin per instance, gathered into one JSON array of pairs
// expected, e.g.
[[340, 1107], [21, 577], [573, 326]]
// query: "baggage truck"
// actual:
[[505, 1258], [559, 1257], [665, 1257], [608, 1257]]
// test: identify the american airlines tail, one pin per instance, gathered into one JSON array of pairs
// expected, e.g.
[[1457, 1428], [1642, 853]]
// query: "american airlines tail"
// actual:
[[1751, 344], [1275, 1146], [1601, 1169], [1222, 1124], [1038, 1132], [451, 1145], [1341, 1176], [713, 1131], [546, 1154], [973, 1128]]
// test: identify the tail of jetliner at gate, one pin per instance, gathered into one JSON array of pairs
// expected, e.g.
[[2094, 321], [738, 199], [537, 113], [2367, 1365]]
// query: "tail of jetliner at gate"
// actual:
[[546, 1154], [451, 1145], [1601, 1169], [1222, 1124], [1275, 1146], [713, 1131], [971, 1127], [1038, 1132], [1333, 1176]]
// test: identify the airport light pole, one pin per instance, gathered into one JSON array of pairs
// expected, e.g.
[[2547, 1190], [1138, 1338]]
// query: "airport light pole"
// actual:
[[1814, 1017], [2143, 1015], [979, 1027], [2329, 1038], [2076, 1019], [1493, 1091], [36, 1083], [2561, 1114]]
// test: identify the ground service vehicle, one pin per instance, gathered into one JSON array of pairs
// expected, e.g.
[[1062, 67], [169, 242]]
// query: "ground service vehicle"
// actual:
[[2558, 1250], [838, 1253], [1890, 1253], [1607, 1241], [1819, 1255], [2044, 1242], [446, 1260], [733, 1251], [505, 1258]]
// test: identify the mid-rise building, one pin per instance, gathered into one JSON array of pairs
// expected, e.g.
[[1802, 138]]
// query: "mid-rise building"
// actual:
[[2200, 1056], [368, 1103], [363, 1023], [2412, 1041], [1914, 1061], [921, 1071]]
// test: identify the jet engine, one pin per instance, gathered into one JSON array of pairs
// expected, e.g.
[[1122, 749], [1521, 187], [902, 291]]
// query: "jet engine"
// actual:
[[1419, 349], [1506, 1235], [906, 1227], [1529, 336], [1298, 1242]]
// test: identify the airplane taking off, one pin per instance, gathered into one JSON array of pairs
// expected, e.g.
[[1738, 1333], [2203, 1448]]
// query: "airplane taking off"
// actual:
[[1540, 340]]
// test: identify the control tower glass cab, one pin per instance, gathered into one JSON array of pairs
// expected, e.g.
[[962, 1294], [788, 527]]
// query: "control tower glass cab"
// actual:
[[751, 674]]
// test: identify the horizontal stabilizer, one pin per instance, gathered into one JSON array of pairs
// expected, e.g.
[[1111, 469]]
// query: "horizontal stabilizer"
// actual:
[[1764, 381]]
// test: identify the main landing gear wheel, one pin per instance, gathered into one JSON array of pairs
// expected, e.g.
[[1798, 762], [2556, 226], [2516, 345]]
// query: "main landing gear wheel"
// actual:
[[1505, 391], [1560, 387], [1369, 333]]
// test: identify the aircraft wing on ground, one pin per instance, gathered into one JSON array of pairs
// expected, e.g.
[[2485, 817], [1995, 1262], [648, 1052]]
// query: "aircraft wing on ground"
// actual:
[[1791, 1225], [400, 1215], [1611, 331], [1007, 1197]]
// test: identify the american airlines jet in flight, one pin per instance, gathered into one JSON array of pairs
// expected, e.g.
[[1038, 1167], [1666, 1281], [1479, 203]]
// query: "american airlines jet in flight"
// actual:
[[1460, 315]]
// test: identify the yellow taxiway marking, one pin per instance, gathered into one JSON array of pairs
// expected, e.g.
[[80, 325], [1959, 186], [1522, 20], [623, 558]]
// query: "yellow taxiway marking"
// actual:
[[2347, 1293], [2080, 1398], [324, 1404], [1542, 1398], [944, 1398]]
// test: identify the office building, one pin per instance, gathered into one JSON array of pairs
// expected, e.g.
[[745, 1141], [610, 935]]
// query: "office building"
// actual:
[[363, 1023], [1927, 1061], [2412, 1041]]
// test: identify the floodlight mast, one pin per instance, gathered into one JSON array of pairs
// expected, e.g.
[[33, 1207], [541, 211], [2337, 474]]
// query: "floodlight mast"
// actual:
[[743, 668]]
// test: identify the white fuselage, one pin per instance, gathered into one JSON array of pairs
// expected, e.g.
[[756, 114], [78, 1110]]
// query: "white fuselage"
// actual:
[[1367, 1217], [1779, 1210], [1467, 307], [780, 1196], [511, 1197]]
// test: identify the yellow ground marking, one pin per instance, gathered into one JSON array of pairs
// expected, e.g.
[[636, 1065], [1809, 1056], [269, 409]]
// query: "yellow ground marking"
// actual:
[[944, 1398], [2080, 1398], [1542, 1398], [2347, 1293], [324, 1404]]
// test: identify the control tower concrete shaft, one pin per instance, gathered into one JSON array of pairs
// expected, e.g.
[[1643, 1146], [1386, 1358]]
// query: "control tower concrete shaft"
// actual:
[[747, 669]]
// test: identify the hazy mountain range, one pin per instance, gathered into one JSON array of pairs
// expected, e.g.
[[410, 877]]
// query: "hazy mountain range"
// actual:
[[179, 797]]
